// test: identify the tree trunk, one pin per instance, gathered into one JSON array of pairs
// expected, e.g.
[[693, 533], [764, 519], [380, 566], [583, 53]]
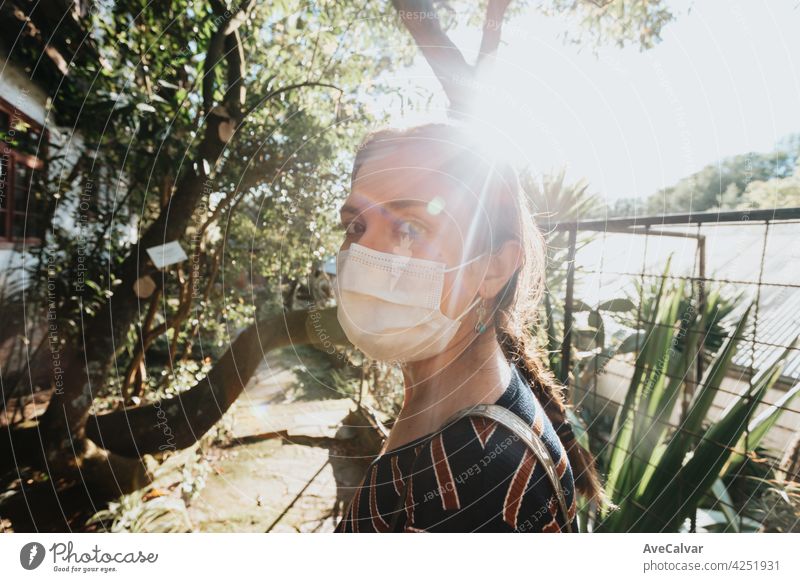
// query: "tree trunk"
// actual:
[[178, 422], [127, 436], [86, 364]]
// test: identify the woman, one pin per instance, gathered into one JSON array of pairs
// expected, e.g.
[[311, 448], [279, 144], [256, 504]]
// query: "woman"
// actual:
[[440, 271]]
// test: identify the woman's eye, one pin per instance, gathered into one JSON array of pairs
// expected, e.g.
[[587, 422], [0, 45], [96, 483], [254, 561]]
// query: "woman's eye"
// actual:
[[352, 228], [410, 229]]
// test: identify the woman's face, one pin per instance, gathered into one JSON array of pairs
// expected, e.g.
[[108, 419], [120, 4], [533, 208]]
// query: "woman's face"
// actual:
[[399, 206]]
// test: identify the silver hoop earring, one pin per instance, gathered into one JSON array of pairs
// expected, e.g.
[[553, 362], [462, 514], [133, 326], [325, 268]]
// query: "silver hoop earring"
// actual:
[[480, 325]]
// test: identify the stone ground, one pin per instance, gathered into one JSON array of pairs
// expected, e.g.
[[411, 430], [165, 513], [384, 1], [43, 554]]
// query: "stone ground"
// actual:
[[271, 483], [267, 469]]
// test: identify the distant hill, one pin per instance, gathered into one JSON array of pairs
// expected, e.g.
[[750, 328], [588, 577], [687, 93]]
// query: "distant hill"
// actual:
[[753, 180]]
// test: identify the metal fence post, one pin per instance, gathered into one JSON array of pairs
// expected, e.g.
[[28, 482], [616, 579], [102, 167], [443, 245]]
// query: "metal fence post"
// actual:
[[566, 344]]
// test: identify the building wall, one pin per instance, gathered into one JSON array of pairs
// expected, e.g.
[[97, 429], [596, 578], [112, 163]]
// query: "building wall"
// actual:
[[21, 335], [17, 89]]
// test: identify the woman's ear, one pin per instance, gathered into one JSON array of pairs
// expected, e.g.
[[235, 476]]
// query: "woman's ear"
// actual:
[[502, 266]]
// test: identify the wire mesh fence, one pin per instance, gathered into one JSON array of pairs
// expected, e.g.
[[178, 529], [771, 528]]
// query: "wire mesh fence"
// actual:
[[678, 339]]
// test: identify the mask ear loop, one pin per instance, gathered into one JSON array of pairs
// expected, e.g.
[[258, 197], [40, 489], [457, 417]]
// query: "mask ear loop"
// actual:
[[479, 299], [480, 326]]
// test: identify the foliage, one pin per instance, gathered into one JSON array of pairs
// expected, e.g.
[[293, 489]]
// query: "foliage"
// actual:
[[140, 111], [134, 514], [140, 104], [657, 478], [779, 507], [553, 200], [600, 22], [783, 192]]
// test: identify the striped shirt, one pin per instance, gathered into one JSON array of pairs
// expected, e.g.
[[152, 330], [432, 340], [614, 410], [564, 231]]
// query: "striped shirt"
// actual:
[[475, 475]]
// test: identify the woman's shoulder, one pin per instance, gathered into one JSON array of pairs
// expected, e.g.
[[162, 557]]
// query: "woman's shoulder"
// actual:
[[476, 464], [478, 475], [475, 433], [478, 444]]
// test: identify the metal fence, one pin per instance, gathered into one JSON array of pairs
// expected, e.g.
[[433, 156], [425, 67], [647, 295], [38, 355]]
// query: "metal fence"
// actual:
[[754, 254]]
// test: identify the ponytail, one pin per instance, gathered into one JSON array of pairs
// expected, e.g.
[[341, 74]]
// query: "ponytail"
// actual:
[[515, 315], [551, 396]]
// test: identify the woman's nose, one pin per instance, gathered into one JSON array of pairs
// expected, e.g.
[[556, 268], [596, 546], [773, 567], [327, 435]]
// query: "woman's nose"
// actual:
[[376, 243]]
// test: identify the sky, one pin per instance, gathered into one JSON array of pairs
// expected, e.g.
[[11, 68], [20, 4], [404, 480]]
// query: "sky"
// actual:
[[724, 80]]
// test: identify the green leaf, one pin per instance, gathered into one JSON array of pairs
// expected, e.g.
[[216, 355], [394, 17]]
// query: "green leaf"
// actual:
[[720, 492], [621, 304], [703, 466], [595, 320], [631, 342], [760, 426]]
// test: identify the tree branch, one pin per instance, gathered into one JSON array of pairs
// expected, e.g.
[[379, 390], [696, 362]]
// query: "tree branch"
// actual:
[[445, 58], [227, 36], [235, 95], [212, 58], [492, 28], [178, 422], [277, 92]]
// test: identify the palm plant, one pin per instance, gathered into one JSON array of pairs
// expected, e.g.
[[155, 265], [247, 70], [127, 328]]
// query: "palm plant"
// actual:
[[779, 507], [657, 478], [553, 200], [657, 474]]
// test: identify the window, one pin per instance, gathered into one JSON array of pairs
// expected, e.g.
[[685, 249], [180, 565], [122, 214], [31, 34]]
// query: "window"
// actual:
[[22, 176]]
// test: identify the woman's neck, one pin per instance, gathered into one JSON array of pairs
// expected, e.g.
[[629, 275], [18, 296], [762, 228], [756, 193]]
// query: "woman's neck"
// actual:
[[438, 387]]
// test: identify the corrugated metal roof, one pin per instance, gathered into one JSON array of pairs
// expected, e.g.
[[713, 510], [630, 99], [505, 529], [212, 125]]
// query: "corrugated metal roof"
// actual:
[[777, 325]]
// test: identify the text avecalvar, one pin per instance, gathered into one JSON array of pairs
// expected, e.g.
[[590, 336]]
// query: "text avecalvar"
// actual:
[[672, 549]]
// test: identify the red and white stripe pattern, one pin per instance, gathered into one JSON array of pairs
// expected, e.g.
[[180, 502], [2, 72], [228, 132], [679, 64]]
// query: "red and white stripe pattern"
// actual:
[[397, 477], [561, 466], [354, 509], [409, 501], [378, 523], [484, 428], [444, 474], [538, 421], [552, 526], [573, 508], [444, 469], [517, 487]]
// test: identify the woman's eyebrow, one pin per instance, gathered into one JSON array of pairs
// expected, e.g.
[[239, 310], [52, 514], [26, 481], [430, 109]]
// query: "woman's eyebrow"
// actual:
[[348, 209], [421, 209], [392, 204], [403, 204]]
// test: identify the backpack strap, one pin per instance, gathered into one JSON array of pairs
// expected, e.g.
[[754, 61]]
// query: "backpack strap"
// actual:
[[520, 428]]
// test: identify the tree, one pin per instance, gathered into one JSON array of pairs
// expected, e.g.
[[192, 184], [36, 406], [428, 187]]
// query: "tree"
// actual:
[[775, 193], [221, 127], [184, 115]]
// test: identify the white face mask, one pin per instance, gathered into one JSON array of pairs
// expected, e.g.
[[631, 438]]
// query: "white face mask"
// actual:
[[388, 305]]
